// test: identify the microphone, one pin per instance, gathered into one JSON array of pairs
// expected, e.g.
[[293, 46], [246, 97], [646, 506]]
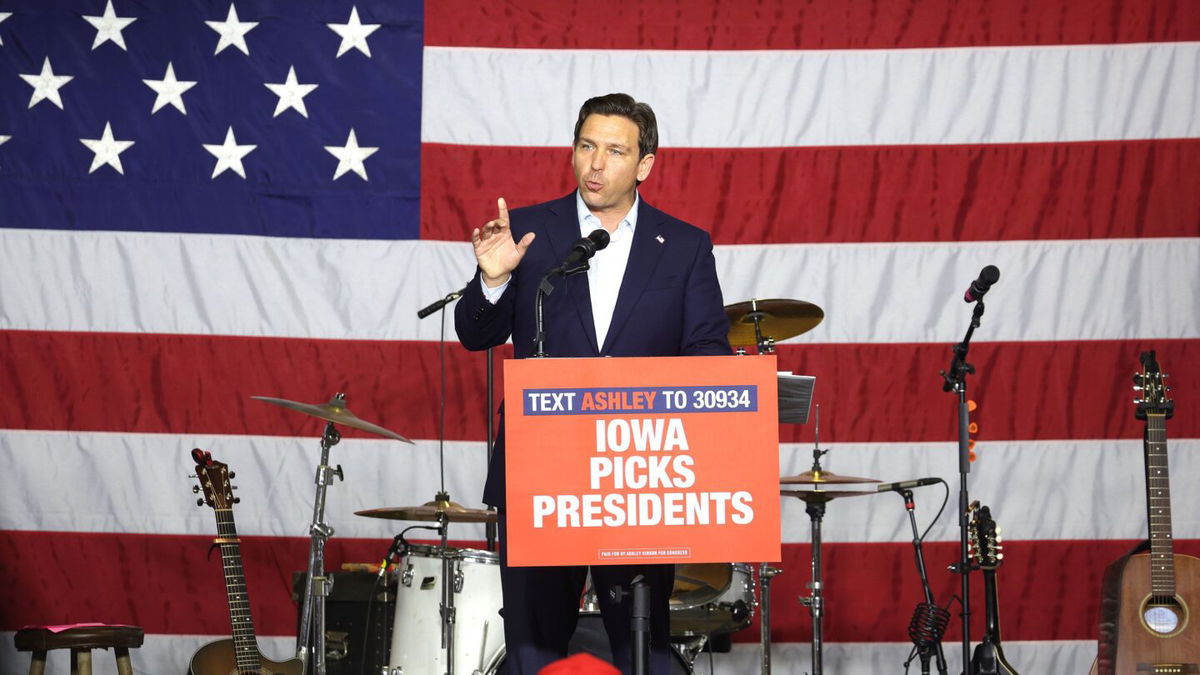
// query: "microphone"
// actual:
[[928, 624], [586, 247], [438, 304], [987, 276], [906, 484]]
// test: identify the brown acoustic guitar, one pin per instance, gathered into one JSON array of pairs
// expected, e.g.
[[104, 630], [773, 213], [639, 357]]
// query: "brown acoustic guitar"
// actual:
[[1146, 624], [239, 655]]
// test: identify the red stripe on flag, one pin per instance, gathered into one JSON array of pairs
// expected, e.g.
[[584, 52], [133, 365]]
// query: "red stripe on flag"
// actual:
[[136, 383], [1031, 191], [817, 24], [166, 585]]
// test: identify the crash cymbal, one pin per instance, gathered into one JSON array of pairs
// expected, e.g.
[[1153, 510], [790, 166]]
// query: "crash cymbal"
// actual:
[[821, 496], [335, 411], [780, 319], [823, 478], [455, 513]]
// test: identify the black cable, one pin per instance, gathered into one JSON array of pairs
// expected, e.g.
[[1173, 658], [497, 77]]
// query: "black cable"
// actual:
[[945, 500]]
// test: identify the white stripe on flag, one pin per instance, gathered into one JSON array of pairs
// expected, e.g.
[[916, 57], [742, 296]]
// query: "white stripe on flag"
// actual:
[[348, 289], [1041, 490], [743, 99]]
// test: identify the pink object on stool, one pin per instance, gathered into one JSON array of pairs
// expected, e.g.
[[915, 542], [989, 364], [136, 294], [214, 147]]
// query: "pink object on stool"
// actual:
[[81, 639]]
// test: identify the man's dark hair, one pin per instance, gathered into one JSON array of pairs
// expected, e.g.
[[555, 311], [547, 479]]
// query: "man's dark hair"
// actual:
[[623, 105]]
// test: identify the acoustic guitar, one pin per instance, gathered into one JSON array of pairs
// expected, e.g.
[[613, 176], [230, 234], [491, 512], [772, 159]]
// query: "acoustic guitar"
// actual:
[[239, 655], [1146, 624], [988, 657]]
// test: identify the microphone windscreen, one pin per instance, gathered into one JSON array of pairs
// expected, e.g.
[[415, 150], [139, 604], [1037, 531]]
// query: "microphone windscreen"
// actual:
[[600, 238]]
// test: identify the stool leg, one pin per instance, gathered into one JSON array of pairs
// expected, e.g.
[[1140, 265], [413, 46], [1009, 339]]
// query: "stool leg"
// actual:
[[81, 662], [38, 665], [124, 667]]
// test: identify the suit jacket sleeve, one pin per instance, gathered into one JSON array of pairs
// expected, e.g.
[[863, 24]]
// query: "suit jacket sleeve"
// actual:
[[705, 325], [479, 323]]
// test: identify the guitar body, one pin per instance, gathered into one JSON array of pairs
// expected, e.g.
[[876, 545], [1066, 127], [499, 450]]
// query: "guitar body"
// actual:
[[218, 658], [1138, 648]]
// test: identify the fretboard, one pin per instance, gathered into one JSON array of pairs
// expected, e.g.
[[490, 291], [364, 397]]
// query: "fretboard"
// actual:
[[244, 643], [1158, 503]]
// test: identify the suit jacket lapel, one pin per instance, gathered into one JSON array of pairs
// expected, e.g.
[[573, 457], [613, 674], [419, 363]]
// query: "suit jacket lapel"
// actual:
[[563, 231], [643, 259]]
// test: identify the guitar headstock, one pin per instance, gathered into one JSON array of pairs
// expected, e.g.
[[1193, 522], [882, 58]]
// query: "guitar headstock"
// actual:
[[984, 540], [214, 481], [1154, 393]]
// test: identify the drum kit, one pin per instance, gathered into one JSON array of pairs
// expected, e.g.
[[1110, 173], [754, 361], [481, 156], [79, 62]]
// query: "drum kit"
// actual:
[[455, 592]]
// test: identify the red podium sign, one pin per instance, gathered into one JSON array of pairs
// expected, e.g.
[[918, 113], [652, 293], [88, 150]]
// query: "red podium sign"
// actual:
[[636, 460]]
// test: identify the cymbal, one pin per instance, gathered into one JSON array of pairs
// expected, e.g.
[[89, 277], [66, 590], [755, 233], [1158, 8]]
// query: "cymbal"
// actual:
[[823, 478], [821, 496], [780, 319], [335, 411], [455, 513]]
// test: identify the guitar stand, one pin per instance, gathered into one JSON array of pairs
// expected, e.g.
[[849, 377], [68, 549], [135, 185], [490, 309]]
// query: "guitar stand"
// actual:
[[310, 642]]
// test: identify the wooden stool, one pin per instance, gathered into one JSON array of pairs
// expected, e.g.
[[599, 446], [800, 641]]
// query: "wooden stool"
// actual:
[[81, 640]]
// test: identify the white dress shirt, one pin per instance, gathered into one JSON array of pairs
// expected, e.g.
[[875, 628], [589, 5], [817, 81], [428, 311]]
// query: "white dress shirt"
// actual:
[[607, 266]]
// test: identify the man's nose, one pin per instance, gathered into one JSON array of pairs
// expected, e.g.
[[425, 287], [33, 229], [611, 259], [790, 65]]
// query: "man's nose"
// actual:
[[598, 161]]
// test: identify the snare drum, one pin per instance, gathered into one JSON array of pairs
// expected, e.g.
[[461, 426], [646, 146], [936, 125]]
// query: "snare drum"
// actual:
[[417, 630], [711, 598]]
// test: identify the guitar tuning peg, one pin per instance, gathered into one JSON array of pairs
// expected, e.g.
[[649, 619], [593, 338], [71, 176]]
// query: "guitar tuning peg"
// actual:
[[199, 502], [1137, 388], [237, 500], [232, 474], [195, 489], [191, 475]]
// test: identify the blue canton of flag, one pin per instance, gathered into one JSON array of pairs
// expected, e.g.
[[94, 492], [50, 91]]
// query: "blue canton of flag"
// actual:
[[263, 117]]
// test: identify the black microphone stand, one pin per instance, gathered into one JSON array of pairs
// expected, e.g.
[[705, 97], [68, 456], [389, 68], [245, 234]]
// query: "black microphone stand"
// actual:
[[545, 288], [956, 381], [929, 621]]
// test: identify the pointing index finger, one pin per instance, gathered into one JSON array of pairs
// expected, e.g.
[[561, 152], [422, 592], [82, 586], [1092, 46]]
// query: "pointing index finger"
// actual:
[[502, 206]]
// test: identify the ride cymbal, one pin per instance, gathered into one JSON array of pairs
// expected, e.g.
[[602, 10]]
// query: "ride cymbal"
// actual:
[[335, 411], [455, 513], [779, 319]]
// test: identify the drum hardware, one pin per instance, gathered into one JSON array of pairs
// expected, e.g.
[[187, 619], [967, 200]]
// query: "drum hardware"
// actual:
[[316, 584], [431, 511], [815, 501]]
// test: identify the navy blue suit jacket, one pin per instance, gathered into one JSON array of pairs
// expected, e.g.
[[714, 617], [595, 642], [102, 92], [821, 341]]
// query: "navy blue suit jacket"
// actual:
[[669, 304]]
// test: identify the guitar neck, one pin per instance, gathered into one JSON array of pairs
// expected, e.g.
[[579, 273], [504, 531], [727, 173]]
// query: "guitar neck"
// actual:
[[991, 607], [244, 642], [1158, 505]]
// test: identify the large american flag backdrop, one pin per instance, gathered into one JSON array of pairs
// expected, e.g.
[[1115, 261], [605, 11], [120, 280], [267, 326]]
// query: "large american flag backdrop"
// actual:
[[203, 201]]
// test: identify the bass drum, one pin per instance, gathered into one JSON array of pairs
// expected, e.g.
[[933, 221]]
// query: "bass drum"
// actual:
[[711, 599], [590, 637]]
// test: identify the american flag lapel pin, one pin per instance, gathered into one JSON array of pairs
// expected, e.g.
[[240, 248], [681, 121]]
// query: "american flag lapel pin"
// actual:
[[660, 239]]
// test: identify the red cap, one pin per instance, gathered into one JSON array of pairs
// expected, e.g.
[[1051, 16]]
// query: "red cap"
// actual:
[[580, 664]]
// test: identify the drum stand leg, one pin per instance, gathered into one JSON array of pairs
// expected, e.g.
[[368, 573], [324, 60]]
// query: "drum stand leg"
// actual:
[[310, 641], [765, 574], [816, 601], [449, 581]]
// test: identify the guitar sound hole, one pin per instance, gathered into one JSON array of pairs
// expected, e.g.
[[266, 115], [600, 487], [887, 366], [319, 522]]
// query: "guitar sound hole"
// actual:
[[1162, 615]]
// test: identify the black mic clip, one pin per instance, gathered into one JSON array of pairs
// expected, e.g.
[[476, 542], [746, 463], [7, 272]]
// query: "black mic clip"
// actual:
[[438, 304]]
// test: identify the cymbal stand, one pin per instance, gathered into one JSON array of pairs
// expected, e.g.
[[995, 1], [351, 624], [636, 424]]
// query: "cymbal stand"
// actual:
[[766, 345], [449, 581], [310, 642], [815, 601], [765, 573]]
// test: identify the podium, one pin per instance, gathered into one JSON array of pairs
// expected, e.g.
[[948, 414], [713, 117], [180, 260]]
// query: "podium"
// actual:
[[642, 460]]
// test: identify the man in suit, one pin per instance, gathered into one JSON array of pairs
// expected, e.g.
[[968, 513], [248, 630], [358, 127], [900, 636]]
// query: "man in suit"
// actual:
[[652, 291]]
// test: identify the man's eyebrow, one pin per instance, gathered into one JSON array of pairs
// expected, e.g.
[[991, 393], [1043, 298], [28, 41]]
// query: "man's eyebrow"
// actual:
[[620, 146]]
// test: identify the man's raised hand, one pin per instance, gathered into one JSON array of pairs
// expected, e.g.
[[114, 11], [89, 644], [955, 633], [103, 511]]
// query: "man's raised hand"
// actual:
[[495, 251]]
